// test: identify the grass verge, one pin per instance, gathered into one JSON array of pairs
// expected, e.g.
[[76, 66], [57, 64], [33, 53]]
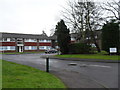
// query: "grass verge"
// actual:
[[91, 56], [21, 76]]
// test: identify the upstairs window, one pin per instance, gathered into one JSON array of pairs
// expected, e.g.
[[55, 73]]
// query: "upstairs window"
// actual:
[[4, 39], [48, 40], [8, 39], [12, 39], [41, 40], [30, 40]]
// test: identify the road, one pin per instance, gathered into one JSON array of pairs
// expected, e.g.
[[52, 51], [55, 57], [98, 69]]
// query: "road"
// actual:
[[103, 73]]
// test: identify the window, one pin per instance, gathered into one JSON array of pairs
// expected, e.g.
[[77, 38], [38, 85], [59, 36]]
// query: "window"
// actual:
[[33, 47], [44, 40], [30, 47], [30, 40], [8, 39], [12, 47], [4, 39], [5, 48], [12, 39], [48, 47], [0, 48], [26, 40], [48, 40], [26, 47], [44, 47], [41, 40], [19, 42], [41, 47]]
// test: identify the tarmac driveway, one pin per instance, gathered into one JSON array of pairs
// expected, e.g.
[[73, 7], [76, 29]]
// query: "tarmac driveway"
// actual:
[[81, 75]]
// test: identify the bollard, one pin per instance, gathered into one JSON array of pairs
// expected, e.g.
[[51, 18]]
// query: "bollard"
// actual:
[[47, 64]]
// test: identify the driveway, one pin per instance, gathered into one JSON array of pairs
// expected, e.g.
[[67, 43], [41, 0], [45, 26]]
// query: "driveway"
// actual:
[[81, 75]]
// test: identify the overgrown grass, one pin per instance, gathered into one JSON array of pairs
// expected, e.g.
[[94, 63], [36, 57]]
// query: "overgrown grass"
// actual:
[[102, 55], [21, 76]]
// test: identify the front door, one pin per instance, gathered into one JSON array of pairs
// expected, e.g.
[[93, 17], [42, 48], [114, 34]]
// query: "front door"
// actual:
[[20, 48]]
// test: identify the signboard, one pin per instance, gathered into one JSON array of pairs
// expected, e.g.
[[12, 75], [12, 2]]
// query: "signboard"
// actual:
[[113, 50]]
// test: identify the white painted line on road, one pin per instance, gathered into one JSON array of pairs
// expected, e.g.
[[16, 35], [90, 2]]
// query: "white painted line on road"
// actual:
[[87, 65], [101, 66]]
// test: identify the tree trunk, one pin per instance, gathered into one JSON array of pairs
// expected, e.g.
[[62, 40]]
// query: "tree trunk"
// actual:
[[94, 40], [97, 46]]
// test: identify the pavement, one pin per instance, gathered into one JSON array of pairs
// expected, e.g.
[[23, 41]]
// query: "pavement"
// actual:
[[71, 78]]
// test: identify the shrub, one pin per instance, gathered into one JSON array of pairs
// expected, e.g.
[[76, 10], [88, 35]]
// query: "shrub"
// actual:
[[79, 48], [110, 36]]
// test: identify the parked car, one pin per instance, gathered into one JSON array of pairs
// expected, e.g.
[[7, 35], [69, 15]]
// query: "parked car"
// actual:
[[52, 50]]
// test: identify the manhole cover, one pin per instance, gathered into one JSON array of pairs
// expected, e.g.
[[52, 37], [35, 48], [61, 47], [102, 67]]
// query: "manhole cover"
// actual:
[[72, 64]]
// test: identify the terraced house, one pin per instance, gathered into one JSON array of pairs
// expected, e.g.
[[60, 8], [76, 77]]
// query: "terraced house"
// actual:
[[14, 42]]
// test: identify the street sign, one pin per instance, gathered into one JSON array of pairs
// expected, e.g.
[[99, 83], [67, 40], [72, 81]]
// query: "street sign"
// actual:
[[113, 50]]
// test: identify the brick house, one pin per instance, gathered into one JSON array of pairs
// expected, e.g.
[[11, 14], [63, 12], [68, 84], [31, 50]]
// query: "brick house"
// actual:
[[15, 42], [75, 37]]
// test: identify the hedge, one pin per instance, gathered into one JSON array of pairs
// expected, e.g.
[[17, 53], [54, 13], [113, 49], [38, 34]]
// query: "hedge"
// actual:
[[79, 48]]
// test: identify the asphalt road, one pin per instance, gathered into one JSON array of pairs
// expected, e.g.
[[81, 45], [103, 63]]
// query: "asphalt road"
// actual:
[[104, 73]]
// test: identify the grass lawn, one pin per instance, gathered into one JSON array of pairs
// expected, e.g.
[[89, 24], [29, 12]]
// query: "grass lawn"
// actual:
[[91, 56], [21, 76]]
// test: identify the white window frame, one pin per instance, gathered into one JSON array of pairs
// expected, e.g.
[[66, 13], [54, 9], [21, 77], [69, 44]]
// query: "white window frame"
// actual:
[[26, 47], [33, 47], [30, 40], [42, 47], [7, 40], [41, 40], [7, 48], [46, 40], [30, 47]]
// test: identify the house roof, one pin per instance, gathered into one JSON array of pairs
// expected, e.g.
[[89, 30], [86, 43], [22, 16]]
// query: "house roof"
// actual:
[[54, 37], [19, 35]]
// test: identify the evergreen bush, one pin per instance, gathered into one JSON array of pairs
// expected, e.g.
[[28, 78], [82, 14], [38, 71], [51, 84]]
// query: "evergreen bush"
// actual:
[[79, 48]]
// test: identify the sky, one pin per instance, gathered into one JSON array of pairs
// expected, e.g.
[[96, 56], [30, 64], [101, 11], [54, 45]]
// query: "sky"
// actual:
[[30, 16]]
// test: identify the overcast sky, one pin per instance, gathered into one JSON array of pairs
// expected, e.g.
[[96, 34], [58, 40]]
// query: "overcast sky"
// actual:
[[30, 16]]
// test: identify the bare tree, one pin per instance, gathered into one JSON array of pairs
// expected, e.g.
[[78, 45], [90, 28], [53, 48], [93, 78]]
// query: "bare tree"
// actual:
[[84, 17], [73, 15], [113, 8]]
